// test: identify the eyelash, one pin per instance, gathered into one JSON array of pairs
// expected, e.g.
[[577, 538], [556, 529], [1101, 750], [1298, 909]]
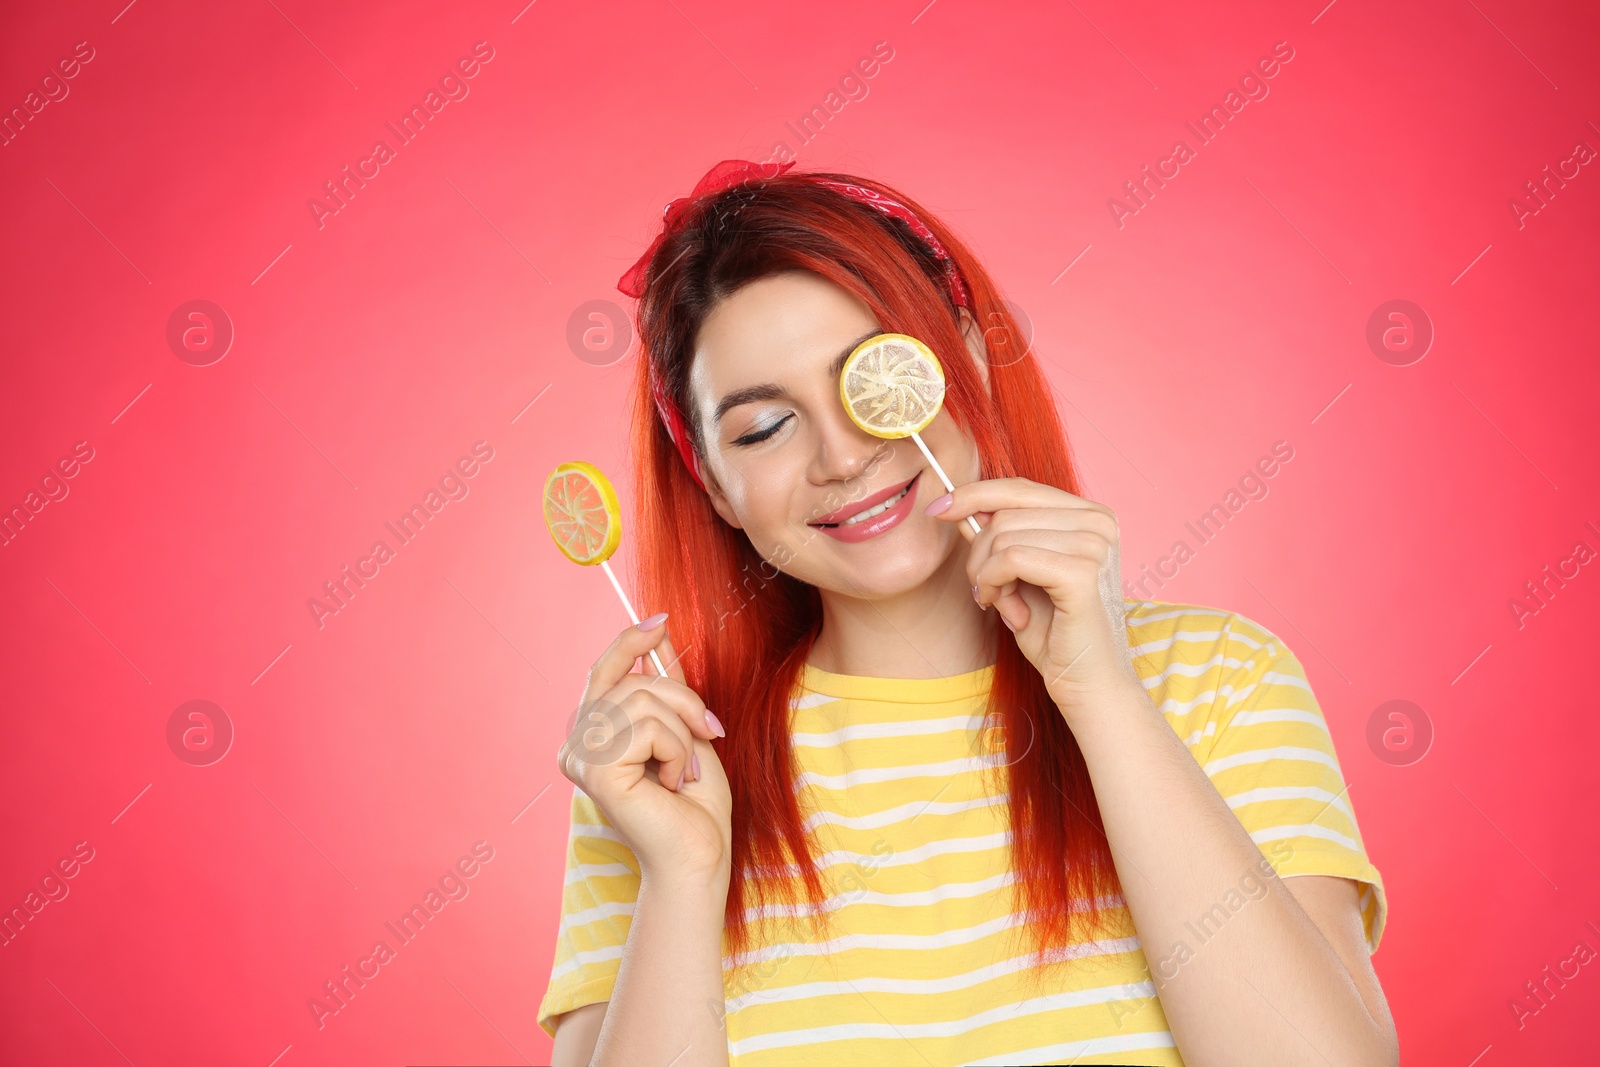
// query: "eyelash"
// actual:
[[756, 438]]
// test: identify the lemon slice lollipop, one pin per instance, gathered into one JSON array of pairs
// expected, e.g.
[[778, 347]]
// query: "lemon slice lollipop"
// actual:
[[584, 518], [892, 386], [582, 513]]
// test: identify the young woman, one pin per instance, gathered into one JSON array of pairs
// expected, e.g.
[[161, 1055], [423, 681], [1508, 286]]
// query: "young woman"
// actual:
[[910, 794]]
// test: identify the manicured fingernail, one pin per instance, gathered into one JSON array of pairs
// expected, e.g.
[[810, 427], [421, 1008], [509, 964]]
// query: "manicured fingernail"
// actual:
[[1007, 621], [653, 621], [694, 764], [715, 724], [974, 592], [942, 504]]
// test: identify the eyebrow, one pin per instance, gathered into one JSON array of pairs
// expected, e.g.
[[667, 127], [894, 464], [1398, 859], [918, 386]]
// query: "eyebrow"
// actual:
[[772, 391]]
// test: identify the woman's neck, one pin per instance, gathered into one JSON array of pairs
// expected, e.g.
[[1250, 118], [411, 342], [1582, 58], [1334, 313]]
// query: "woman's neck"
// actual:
[[933, 631]]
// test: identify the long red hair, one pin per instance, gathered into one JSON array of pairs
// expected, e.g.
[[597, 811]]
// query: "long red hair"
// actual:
[[744, 628]]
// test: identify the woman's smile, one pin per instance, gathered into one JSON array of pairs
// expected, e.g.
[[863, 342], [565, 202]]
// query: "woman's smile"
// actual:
[[876, 519]]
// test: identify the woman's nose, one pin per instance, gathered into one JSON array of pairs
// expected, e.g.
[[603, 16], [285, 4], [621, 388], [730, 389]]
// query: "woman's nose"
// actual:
[[845, 450]]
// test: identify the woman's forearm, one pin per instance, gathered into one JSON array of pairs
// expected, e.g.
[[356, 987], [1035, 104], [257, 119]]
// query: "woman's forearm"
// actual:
[[1179, 849], [667, 1005]]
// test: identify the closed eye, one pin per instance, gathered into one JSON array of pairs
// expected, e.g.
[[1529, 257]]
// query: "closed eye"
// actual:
[[762, 435]]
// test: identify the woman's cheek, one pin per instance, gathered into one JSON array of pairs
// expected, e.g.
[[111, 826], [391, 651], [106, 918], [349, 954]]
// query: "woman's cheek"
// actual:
[[957, 453]]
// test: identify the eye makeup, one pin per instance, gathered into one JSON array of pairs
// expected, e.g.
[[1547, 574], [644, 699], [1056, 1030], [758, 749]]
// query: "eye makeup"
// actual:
[[762, 435]]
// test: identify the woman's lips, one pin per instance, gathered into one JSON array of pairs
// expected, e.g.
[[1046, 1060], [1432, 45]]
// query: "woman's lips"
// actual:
[[884, 521]]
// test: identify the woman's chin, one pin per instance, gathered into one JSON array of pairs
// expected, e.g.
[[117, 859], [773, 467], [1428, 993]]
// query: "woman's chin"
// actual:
[[882, 574]]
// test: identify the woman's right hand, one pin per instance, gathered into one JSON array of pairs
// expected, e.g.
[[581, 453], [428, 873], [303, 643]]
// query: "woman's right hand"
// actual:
[[633, 750]]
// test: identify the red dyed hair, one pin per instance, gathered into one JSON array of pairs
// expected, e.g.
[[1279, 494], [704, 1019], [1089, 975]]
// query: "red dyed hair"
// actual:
[[744, 628]]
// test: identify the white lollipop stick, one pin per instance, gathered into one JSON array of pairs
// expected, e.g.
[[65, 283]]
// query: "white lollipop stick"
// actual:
[[972, 520], [634, 615]]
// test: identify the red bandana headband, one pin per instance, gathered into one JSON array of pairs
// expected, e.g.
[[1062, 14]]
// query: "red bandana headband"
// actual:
[[725, 175]]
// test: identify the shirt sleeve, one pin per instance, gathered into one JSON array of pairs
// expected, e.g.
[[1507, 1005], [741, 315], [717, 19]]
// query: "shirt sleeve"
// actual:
[[597, 902], [1272, 759]]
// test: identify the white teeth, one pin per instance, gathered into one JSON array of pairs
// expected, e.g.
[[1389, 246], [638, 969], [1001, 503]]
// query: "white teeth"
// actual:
[[878, 509]]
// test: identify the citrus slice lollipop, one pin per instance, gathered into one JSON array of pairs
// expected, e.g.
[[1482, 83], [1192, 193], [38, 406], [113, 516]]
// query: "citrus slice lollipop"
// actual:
[[585, 521], [892, 385], [581, 512]]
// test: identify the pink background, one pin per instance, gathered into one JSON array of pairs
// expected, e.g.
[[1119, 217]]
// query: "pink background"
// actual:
[[371, 352]]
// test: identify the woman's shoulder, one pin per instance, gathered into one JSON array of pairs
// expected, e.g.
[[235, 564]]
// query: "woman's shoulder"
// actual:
[[1163, 633], [1172, 616]]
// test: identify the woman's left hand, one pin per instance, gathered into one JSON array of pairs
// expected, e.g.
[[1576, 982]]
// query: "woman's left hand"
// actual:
[[1048, 562]]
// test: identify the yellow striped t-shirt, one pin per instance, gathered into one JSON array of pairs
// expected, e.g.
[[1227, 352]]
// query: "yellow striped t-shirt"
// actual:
[[924, 959]]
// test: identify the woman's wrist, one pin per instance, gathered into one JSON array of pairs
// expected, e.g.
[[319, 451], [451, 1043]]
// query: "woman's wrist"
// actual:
[[1108, 707], [707, 889], [668, 1002]]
